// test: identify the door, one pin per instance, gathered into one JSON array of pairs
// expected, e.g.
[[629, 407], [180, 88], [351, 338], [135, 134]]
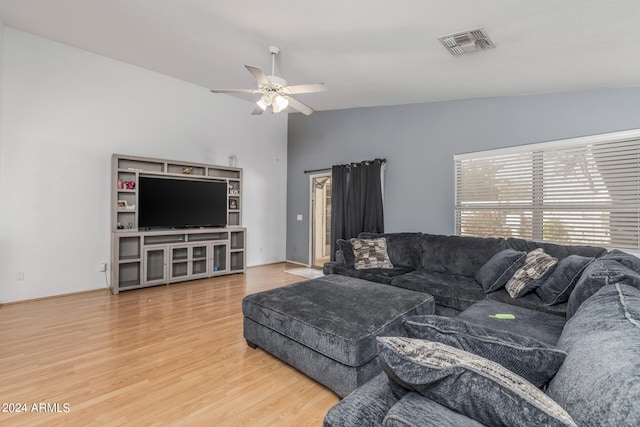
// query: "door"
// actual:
[[155, 265], [320, 219], [219, 259]]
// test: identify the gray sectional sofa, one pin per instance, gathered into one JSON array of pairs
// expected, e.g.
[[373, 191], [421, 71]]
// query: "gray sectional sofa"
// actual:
[[447, 267], [457, 368]]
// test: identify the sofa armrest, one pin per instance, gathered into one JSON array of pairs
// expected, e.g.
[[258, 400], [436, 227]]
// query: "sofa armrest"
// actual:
[[332, 267], [366, 406]]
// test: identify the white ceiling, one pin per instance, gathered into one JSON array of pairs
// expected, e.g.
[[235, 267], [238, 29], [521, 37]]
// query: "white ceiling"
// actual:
[[368, 52]]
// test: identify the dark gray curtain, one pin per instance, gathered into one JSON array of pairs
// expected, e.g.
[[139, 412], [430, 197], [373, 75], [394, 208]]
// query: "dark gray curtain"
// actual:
[[356, 200]]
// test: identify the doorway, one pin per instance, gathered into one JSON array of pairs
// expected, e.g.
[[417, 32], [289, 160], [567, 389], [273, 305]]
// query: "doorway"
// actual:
[[320, 241]]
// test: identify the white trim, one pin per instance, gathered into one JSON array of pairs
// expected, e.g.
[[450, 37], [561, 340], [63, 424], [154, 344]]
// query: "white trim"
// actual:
[[312, 176], [582, 140]]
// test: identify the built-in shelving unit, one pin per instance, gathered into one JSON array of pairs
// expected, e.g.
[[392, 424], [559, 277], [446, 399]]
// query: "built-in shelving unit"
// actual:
[[148, 258]]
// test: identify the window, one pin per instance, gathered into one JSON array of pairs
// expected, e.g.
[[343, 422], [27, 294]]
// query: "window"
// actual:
[[577, 191]]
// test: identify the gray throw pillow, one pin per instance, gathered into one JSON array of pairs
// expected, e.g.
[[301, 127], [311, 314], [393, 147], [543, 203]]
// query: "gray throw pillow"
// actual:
[[469, 384], [558, 286], [370, 253], [536, 266], [499, 269], [533, 360], [346, 248], [600, 273], [624, 258]]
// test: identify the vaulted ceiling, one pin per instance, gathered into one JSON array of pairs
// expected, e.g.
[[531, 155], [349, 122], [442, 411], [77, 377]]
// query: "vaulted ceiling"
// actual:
[[367, 52]]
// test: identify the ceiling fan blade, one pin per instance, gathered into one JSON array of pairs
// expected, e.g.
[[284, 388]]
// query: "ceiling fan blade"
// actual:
[[260, 76], [257, 111], [299, 106], [247, 94], [234, 91], [308, 88]]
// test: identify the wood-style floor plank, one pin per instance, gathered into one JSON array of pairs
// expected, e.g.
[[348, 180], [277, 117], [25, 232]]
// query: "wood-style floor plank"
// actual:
[[167, 355]]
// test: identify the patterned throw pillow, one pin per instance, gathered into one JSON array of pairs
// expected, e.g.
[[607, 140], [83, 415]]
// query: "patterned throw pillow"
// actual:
[[469, 384], [537, 265], [371, 253]]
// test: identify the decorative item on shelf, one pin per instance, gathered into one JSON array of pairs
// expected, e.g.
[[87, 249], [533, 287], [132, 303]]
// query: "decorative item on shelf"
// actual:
[[120, 184], [122, 204], [130, 207], [187, 170], [234, 192], [129, 185], [119, 225], [233, 204], [233, 160], [130, 226]]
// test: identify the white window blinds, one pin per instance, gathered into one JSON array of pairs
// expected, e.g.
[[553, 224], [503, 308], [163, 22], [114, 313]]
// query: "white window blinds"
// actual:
[[578, 191]]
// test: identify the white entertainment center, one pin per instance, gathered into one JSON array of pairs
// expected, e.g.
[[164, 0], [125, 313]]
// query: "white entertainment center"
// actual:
[[148, 257]]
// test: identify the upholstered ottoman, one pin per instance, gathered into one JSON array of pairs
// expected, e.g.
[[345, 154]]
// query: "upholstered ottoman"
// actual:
[[326, 327]]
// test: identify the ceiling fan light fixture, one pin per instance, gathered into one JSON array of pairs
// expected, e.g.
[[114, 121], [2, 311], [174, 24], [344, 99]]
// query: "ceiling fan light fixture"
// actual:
[[264, 102], [282, 102]]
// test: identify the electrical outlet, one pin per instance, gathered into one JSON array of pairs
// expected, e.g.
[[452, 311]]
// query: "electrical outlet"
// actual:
[[102, 267]]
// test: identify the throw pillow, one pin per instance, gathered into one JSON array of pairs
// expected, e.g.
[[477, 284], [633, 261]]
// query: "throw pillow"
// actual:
[[536, 266], [346, 248], [557, 288], [533, 360], [370, 253], [624, 258], [499, 269], [471, 385], [600, 273]]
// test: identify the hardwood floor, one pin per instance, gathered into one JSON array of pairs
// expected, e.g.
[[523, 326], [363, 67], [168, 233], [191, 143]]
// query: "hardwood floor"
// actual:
[[167, 355]]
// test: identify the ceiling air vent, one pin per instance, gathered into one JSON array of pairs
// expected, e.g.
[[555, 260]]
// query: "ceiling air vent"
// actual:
[[467, 41]]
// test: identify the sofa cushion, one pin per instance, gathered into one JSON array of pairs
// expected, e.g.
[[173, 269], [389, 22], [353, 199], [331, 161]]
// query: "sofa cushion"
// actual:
[[378, 275], [449, 290], [370, 253], [558, 286], [533, 360], [469, 384], [555, 250], [541, 326], [457, 254], [600, 273], [537, 265], [403, 248], [531, 301], [414, 410], [496, 272], [599, 381]]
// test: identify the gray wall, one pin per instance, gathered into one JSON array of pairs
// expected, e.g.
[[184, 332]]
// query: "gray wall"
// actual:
[[419, 142]]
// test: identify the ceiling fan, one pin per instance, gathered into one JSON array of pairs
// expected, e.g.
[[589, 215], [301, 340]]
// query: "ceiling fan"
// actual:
[[273, 92]]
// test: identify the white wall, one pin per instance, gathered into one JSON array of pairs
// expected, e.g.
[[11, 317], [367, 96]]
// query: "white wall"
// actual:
[[65, 112]]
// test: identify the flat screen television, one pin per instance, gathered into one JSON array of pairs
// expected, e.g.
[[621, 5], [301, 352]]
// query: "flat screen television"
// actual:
[[181, 203]]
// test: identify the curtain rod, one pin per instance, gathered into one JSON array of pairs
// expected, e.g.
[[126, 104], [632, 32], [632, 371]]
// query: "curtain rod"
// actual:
[[318, 170], [382, 161]]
